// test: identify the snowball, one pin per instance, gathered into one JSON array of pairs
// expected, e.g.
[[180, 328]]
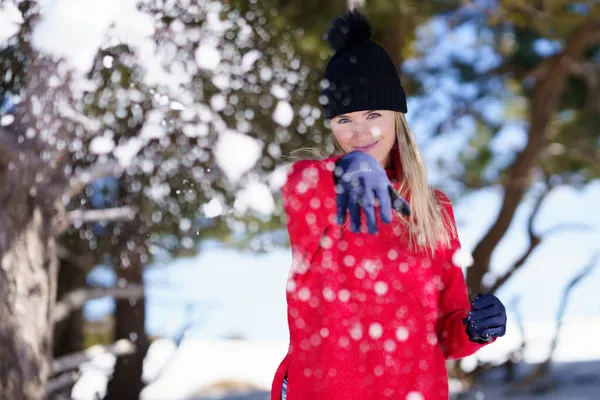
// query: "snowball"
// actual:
[[255, 196], [207, 57], [218, 102], [158, 191], [213, 208], [278, 178], [356, 332], [102, 145], [375, 330], [381, 288], [175, 105], [389, 345], [126, 152], [462, 258], [249, 59], [328, 294], [376, 132], [6, 120], [344, 295], [414, 396], [402, 334], [236, 153], [304, 294], [280, 92], [152, 128], [283, 114], [76, 29]]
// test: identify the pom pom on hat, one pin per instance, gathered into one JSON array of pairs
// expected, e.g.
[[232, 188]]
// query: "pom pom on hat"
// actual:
[[360, 75], [348, 30]]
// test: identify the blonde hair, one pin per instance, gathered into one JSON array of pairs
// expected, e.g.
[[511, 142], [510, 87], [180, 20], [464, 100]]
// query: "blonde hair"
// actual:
[[430, 225]]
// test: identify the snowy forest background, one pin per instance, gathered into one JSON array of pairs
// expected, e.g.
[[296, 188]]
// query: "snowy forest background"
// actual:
[[139, 135]]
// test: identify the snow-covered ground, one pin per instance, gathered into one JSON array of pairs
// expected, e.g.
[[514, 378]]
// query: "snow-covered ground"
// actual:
[[200, 369]]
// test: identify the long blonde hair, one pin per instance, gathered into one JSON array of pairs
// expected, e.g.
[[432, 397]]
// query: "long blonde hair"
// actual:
[[429, 225]]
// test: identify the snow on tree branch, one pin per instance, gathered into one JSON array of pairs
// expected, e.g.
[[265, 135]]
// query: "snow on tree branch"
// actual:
[[72, 361], [79, 217], [76, 299]]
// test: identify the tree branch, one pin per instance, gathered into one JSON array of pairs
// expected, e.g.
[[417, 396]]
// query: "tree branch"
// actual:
[[97, 171], [78, 217], [542, 369], [7, 148], [72, 361], [63, 381], [76, 299], [90, 125], [81, 261], [534, 241], [545, 98]]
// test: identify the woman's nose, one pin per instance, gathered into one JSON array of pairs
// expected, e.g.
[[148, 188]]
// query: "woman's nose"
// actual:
[[360, 131]]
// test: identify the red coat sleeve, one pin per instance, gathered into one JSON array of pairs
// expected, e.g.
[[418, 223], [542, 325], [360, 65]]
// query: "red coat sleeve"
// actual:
[[453, 301], [309, 202]]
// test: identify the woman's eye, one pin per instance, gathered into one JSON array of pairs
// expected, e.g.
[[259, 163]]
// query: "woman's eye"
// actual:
[[343, 120], [373, 115]]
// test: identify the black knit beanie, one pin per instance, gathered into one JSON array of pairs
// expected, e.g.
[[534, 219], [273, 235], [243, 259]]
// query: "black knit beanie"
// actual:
[[361, 75]]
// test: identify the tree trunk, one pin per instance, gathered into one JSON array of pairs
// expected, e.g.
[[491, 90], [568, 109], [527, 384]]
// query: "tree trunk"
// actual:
[[28, 269], [130, 318], [69, 333], [546, 96]]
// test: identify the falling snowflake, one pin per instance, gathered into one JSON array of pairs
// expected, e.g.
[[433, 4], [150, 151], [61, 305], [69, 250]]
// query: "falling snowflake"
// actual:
[[381, 288], [255, 196], [236, 153], [213, 208], [414, 396], [402, 334], [462, 258], [207, 57], [283, 114], [375, 330]]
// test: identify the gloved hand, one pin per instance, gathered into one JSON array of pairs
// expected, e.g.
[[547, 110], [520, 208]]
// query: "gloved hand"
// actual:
[[359, 180], [487, 318]]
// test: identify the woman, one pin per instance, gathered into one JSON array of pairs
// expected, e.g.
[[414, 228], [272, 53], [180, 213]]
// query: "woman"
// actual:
[[374, 309]]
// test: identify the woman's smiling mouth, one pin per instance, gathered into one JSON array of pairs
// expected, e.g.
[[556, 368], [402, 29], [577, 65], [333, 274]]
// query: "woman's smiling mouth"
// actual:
[[367, 147]]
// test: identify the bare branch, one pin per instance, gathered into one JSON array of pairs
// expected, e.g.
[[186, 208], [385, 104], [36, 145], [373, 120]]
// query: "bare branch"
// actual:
[[61, 382], [90, 125], [76, 299], [77, 185], [534, 241], [78, 217], [83, 262], [71, 361], [542, 369]]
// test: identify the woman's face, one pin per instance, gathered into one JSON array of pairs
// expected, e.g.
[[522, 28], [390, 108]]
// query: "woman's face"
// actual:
[[373, 132]]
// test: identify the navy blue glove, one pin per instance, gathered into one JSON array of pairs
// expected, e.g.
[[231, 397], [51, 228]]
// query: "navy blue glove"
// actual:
[[487, 318], [359, 180]]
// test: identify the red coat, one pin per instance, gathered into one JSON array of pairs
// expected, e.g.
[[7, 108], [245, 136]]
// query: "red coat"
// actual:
[[368, 319]]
